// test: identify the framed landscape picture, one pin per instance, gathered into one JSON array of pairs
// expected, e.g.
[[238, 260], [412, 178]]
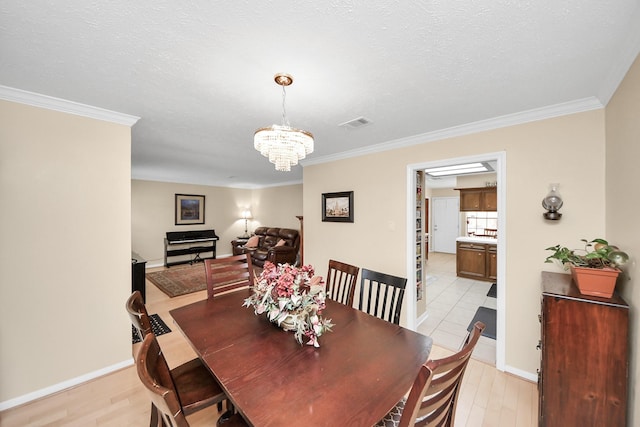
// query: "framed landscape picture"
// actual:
[[189, 209], [337, 207]]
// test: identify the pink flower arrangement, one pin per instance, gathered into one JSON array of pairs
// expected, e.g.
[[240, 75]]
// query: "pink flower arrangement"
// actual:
[[293, 298]]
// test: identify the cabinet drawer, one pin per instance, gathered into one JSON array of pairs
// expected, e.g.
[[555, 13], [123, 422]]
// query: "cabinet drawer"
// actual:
[[472, 246]]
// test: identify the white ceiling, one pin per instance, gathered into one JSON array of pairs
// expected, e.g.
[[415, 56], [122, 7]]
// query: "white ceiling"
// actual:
[[200, 73]]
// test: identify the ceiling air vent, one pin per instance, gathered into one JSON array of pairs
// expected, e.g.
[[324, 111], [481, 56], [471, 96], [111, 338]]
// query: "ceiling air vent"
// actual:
[[356, 123]]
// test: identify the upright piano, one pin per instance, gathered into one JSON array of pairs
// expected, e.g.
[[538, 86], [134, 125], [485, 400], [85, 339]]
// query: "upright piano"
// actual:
[[189, 246]]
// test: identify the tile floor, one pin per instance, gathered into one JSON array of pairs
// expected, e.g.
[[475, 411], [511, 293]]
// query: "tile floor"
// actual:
[[451, 304]]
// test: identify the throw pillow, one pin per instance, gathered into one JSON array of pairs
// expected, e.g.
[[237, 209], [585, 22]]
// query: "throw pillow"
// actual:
[[281, 242], [252, 242]]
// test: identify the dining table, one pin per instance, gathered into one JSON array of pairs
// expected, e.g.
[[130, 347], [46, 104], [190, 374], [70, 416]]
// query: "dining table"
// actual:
[[362, 368]]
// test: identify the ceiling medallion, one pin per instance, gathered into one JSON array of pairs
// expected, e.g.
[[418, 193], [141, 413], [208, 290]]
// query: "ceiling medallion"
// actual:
[[283, 145]]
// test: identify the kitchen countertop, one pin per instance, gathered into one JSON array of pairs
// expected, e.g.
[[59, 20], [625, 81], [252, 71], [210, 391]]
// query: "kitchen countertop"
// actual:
[[476, 239]]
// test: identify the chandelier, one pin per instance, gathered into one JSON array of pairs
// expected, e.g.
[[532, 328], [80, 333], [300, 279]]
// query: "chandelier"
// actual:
[[283, 145]]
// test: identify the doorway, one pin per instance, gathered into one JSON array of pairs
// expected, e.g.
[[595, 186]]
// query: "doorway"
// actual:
[[414, 317]]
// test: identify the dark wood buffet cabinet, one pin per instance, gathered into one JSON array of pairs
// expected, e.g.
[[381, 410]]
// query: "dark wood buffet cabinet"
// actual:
[[584, 346]]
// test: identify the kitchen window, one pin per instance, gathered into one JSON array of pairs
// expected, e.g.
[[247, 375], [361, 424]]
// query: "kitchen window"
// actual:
[[482, 223]]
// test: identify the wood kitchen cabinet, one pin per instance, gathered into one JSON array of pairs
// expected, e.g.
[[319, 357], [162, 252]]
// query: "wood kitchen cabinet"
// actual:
[[584, 346], [476, 261], [492, 262], [478, 199]]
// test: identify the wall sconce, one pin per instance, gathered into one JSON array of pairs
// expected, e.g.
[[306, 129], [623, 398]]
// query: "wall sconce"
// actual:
[[552, 203], [246, 214]]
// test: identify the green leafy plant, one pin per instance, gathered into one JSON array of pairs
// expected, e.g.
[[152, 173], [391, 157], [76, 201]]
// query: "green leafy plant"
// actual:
[[597, 253]]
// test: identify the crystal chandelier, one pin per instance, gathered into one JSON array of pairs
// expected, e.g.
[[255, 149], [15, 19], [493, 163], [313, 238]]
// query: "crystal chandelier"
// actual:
[[283, 145]]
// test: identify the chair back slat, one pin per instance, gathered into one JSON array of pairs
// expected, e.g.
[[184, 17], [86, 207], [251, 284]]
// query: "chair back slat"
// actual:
[[434, 395], [155, 375], [383, 295], [341, 282], [228, 274]]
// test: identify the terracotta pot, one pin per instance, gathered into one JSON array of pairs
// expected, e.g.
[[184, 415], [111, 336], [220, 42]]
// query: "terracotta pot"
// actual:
[[599, 282]]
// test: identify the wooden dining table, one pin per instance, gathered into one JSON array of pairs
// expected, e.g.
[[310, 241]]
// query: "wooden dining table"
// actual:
[[362, 368]]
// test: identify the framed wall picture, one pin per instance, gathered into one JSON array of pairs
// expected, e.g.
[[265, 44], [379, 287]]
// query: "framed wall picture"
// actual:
[[189, 209], [337, 207]]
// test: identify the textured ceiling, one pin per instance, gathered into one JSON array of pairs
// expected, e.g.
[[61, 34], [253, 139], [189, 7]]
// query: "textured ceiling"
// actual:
[[200, 73]]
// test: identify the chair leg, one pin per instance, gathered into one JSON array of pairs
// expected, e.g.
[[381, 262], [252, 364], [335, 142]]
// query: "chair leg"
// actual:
[[155, 421], [224, 417]]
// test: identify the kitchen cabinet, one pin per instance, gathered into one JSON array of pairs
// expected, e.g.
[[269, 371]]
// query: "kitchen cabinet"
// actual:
[[492, 262], [582, 380], [476, 261], [480, 199]]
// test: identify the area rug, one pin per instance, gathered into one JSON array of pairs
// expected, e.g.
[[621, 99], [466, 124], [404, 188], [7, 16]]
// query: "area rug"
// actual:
[[178, 281], [493, 291], [488, 317], [157, 326]]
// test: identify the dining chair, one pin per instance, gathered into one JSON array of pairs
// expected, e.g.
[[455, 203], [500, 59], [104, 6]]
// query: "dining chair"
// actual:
[[228, 274], [196, 387], [434, 395], [138, 314], [341, 282], [383, 294], [172, 402]]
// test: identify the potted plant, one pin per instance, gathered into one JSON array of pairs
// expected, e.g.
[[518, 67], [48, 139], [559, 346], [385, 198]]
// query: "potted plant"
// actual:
[[595, 268]]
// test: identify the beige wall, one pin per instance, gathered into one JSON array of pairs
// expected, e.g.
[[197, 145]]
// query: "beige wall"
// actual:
[[536, 154], [65, 266], [277, 206], [623, 204], [152, 213], [475, 180]]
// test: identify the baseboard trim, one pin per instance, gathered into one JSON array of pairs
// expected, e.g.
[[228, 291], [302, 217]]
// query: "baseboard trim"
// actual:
[[522, 374], [44, 392]]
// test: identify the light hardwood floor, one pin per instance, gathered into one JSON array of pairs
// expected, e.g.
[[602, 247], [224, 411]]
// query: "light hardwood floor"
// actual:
[[488, 397]]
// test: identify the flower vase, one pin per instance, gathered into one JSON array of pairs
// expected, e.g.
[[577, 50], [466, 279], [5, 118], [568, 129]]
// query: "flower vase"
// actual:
[[289, 322]]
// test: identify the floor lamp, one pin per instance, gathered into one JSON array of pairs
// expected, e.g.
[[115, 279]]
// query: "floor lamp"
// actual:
[[246, 214]]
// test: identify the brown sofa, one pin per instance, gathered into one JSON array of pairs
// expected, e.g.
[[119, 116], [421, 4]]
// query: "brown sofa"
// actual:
[[267, 249]]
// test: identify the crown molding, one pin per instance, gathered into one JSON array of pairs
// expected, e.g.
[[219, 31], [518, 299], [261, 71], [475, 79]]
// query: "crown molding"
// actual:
[[64, 106], [214, 183], [563, 109]]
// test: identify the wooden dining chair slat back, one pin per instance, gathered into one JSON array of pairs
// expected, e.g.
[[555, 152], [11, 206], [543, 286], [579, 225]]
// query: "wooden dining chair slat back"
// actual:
[[433, 398], [154, 374], [381, 295], [228, 274], [192, 382], [138, 314], [341, 282]]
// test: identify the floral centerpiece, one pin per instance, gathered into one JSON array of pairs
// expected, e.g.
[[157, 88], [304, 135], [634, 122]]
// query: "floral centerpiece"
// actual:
[[292, 298]]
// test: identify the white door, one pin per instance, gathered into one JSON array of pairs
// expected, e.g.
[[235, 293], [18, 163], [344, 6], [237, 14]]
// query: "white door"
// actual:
[[445, 219]]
